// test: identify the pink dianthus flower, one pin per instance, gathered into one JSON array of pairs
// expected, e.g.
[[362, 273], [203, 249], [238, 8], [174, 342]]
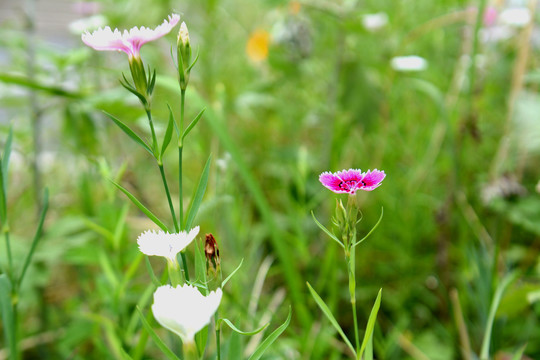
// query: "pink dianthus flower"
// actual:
[[130, 41], [349, 181]]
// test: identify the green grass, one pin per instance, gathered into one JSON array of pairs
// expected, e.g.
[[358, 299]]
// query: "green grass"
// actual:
[[325, 99]]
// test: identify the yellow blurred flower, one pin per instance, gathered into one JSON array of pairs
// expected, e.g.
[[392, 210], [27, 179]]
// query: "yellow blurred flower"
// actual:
[[257, 45]]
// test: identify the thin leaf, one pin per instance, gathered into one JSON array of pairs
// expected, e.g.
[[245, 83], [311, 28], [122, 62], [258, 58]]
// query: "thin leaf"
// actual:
[[201, 338], [153, 277], [199, 193], [168, 133], [151, 81], [194, 61], [130, 133], [234, 328], [330, 317], [372, 229], [141, 207], [125, 355], [271, 338], [37, 235], [133, 90], [160, 344], [518, 355], [193, 123], [321, 226], [370, 325], [507, 280], [26, 82], [231, 274], [8, 317]]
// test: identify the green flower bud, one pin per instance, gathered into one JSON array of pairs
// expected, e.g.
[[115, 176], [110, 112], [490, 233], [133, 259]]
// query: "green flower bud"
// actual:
[[183, 50]]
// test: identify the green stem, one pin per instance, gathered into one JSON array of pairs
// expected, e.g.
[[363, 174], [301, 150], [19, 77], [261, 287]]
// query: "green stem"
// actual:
[[174, 276], [190, 351], [352, 292], [171, 207], [180, 152], [154, 138], [180, 191], [218, 337], [8, 247], [184, 265]]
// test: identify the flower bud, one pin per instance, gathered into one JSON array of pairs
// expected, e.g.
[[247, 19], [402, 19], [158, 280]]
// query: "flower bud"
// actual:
[[213, 260], [183, 50]]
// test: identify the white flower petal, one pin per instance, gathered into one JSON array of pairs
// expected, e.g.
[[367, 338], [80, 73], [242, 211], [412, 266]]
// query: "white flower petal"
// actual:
[[184, 310], [160, 243]]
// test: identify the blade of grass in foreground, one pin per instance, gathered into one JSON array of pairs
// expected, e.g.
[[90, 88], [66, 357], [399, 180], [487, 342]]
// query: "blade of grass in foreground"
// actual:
[[368, 336], [168, 353], [507, 280], [270, 339], [330, 317]]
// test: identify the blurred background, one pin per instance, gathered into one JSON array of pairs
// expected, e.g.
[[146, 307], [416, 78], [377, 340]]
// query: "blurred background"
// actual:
[[440, 95]]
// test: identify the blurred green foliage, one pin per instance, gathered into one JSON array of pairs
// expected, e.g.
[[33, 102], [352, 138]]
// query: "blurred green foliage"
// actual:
[[457, 213]]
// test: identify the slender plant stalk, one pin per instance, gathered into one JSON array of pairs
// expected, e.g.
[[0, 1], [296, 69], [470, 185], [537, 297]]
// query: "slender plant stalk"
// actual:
[[352, 288], [171, 207], [180, 151], [9, 256], [180, 184], [218, 338], [154, 138]]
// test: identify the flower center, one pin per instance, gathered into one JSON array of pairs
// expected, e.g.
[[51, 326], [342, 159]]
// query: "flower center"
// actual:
[[349, 185]]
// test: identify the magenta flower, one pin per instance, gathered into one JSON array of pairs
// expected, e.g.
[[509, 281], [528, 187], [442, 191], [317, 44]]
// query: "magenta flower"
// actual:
[[130, 41], [349, 181]]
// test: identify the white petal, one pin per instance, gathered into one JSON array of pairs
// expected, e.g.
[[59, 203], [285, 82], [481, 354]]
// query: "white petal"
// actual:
[[184, 310]]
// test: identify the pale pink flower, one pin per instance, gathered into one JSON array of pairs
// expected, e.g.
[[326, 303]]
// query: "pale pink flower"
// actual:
[[130, 41], [349, 181]]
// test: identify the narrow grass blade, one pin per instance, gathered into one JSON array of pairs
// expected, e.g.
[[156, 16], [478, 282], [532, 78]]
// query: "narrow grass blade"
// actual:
[[518, 355], [201, 338], [160, 344], [271, 338], [234, 328], [231, 275], [153, 277], [37, 235], [323, 228], [168, 133], [193, 123], [8, 317], [199, 193], [368, 336], [130, 133], [330, 317], [507, 280], [28, 83], [372, 229], [141, 207]]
